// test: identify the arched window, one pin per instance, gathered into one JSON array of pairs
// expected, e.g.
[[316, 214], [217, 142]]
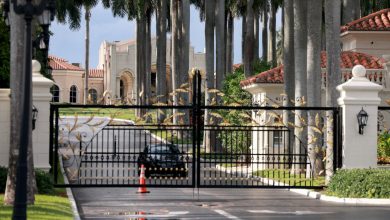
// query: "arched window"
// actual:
[[73, 94], [92, 95], [55, 91]]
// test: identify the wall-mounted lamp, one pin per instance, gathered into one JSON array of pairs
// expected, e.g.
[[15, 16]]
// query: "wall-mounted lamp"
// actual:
[[362, 118], [256, 105], [34, 116]]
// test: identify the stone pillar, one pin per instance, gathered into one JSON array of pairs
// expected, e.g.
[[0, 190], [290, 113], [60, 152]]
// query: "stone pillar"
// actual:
[[359, 150], [386, 83], [41, 100]]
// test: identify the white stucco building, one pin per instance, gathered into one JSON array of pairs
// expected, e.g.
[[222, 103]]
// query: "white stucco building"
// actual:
[[365, 41], [115, 76]]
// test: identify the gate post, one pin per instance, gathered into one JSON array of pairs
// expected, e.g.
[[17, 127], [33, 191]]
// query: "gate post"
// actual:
[[359, 150]]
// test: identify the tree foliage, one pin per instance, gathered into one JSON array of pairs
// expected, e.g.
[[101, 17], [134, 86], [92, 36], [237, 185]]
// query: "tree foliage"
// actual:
[[4, 53]]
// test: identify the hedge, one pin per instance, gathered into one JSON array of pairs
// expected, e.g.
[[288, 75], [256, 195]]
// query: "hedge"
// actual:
[[360, 183], [43, 179]]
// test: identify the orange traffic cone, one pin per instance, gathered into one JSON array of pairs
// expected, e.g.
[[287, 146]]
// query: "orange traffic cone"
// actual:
[[142, 188]]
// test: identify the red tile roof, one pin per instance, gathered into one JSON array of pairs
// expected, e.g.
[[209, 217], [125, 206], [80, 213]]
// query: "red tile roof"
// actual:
[[377, 21], [96, 73], [57, 63], [348, 60]]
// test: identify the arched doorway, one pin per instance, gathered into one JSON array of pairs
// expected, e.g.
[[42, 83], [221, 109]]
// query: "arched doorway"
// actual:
[[126, 83], [92, 96]]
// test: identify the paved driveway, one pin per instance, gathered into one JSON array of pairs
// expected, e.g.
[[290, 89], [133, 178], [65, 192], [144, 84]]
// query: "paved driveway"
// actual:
[[164, 203]]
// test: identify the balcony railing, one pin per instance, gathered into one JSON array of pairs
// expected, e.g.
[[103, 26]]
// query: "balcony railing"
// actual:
[[378, 76]]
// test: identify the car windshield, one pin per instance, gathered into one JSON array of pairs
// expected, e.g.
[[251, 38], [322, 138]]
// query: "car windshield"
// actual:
[[158, 149]]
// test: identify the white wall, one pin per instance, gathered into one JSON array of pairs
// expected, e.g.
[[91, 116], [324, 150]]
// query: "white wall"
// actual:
[[41, 100]]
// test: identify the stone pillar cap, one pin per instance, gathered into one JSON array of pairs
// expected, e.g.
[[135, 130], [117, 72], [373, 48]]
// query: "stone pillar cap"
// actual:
[[359, 71]]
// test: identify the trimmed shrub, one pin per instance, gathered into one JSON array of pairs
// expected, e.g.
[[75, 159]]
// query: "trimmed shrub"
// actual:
[[44, 181], [3, 179], [360, 183], [384, 148]]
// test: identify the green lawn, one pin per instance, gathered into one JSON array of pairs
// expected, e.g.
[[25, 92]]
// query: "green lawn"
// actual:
[[128, 114], [46, 207], [285, 176]]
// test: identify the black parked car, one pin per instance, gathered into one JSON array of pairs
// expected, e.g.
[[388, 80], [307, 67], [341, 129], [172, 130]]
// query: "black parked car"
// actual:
[[162, 160]]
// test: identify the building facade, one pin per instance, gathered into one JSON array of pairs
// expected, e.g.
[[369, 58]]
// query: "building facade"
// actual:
[[115, 77]]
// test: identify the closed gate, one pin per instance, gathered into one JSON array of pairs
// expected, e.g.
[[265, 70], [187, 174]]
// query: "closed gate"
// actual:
[[193, 145]]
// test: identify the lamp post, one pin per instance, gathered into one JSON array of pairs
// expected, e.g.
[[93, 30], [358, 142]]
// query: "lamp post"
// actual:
[[44, 12]]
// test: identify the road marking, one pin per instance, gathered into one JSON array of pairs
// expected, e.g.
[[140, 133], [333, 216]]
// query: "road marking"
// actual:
[[168, 215], [289, 213], [227, 215]]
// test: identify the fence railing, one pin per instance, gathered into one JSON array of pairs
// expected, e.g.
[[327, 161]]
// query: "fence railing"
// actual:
[[378, 76]]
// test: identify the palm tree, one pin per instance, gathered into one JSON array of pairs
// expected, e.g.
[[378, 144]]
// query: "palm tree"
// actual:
[[220, 27], [351, 10], [371, 6], [231, 13], [249, 38], [300, 52], [314, 77], [274, 5], [264, 21], [161, 33], [288, 59], [209, 137], [333, 76], [17, 79]]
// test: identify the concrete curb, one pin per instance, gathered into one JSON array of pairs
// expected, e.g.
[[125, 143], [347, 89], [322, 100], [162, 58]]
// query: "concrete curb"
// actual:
[[309, 193], [69, 193]]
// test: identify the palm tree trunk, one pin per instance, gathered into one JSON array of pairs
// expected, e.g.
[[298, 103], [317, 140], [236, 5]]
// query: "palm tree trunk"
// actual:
[[17, 80], [300, 52], [243, 34], [256, 36], [264, 30], [314, 87], [288, 62], [209, 136], [220, 30], [332, 25], [161, 34], [148, 59], [87, 19], [272, 30], [230, 43], [175, 59], [248, 54]]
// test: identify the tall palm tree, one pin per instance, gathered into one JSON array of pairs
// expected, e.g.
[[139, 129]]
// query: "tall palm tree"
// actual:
[[161, 33], [333, 76], [220, 28], [274, 6], [351, 10], [17, 80], [231, 13], [209, 136], [288, 60], [300, 53], [314, 10], [249, 38], [264, 29]]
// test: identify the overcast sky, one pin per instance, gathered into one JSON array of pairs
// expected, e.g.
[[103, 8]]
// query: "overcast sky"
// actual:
[[69, 44]]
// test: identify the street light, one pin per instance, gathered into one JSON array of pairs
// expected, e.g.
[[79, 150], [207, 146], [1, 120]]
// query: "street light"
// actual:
[[362, 118], [44, 12]]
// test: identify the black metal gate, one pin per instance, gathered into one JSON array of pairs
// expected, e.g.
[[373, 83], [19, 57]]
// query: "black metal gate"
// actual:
[[238, 146]]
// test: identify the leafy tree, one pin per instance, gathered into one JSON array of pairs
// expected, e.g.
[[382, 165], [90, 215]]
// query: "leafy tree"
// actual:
[[4, 53]]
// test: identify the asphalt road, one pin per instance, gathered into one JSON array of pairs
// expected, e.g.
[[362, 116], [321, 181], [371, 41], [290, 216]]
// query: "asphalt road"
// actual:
[[180, 203]]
